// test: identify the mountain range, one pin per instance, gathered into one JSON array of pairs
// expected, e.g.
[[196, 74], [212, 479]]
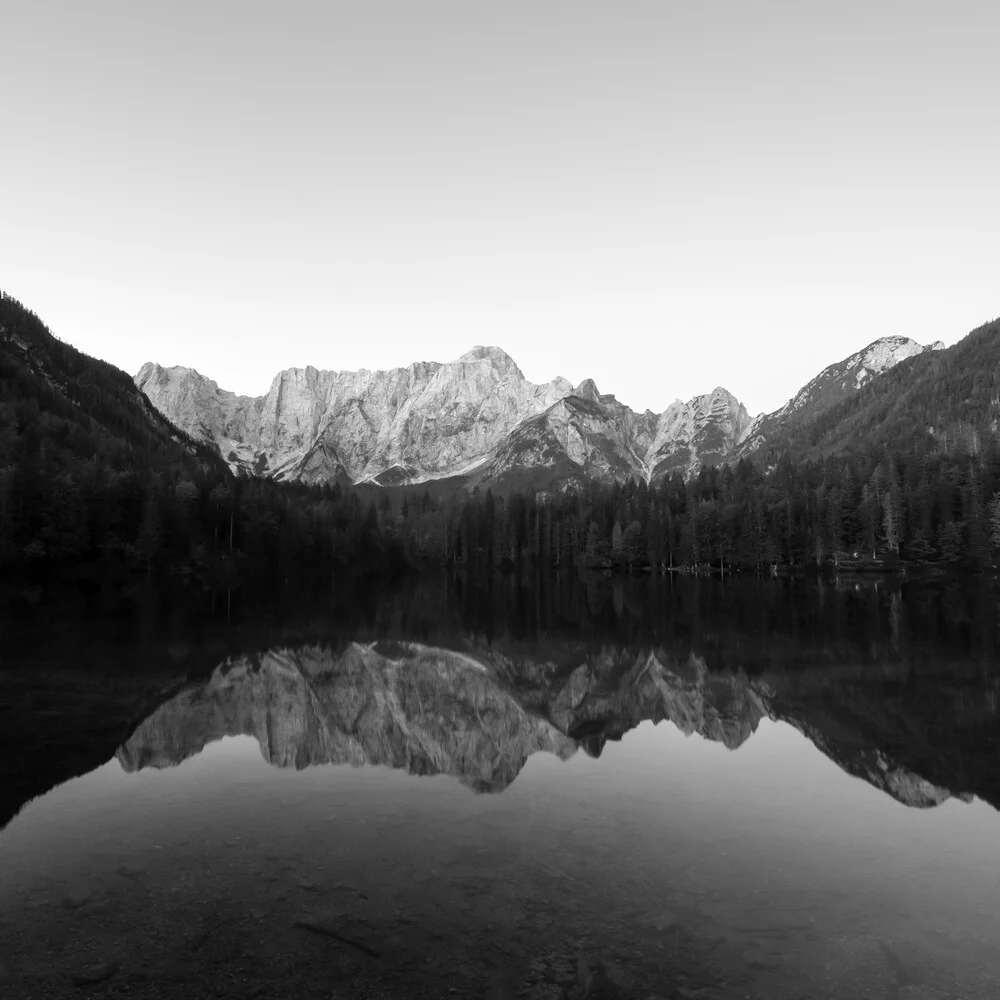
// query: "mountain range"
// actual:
[[475, 420], [479, 420]]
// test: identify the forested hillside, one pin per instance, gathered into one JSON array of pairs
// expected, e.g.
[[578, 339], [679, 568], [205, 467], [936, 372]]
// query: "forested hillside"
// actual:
[[943, 400]]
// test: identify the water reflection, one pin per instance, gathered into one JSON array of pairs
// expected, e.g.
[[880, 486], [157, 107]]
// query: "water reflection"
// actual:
[[712, 841], [403, 705], [478, 714]]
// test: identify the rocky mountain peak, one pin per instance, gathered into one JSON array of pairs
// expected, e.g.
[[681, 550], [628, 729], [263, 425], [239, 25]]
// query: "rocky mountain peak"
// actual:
[[718, 397], [495, 356], [152, 370], [703, 431], [887, 352]]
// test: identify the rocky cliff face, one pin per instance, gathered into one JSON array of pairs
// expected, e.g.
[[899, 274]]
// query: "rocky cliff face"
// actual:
[[705, 431], [428, 420], [478, 717], [477, 418]]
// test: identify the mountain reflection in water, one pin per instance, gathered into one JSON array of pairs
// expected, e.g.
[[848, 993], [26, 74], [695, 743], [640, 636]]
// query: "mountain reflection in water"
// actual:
[[478, 715], [177, 829]]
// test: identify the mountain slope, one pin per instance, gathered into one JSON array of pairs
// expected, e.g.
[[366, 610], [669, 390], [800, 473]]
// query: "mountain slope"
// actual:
[[76, 407], [79, 444], [834, 384], [932, 399]]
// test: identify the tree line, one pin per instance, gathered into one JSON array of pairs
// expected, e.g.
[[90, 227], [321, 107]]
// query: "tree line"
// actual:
[[208, 527], [847, 512]]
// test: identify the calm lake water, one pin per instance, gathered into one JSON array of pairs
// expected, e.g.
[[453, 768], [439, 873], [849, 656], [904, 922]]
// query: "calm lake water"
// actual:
[[614, 789]]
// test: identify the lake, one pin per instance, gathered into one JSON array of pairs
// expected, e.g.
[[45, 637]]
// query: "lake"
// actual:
[[680, 788]]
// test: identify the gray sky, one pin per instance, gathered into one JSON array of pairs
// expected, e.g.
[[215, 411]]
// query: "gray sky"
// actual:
[[661, 196]]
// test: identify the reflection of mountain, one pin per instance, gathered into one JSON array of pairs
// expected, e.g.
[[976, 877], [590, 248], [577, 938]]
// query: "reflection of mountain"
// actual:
[[479, 716], [428, 711]]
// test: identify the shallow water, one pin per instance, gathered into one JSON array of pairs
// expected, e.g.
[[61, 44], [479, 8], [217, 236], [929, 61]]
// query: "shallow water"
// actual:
[[349, 819]]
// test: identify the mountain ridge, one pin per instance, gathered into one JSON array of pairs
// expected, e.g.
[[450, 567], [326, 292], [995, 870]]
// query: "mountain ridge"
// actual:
[[479, 419]]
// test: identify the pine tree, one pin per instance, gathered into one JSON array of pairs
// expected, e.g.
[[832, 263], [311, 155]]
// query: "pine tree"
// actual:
[[617, 552], [150, 532], [995, 520]]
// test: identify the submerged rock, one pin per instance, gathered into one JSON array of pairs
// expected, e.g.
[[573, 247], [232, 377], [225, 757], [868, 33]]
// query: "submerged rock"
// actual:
[[78, 895], [95, 974]]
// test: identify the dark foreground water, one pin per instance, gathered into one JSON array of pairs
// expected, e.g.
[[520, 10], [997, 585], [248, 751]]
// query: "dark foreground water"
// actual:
[[645, 790]]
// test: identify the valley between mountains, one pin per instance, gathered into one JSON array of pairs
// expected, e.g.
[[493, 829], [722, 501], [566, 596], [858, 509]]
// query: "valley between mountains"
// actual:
[[479, 420]]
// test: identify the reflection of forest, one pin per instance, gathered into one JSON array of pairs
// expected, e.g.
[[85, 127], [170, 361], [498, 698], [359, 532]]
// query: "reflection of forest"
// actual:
[[742, 623]]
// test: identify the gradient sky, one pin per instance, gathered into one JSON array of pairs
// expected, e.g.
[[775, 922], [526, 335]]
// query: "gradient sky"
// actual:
[[662, 196]]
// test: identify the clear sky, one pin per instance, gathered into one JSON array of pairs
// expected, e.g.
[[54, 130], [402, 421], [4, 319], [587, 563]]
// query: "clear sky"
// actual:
[[662, 196]]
